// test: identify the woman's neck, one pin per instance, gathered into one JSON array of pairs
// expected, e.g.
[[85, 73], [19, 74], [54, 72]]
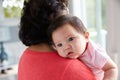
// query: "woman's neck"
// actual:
[[41, 48]]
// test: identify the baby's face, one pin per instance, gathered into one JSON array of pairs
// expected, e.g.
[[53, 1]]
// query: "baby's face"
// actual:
[[68, 42]]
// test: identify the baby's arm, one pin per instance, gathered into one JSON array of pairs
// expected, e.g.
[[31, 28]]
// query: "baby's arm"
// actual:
[[110, 70]]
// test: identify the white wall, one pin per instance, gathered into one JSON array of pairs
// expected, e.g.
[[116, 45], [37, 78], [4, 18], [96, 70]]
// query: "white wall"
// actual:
[[113, 28], [78, 8]]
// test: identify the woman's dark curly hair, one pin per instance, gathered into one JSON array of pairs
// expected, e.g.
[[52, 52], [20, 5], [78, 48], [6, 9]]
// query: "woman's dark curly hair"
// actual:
[[36, 18]]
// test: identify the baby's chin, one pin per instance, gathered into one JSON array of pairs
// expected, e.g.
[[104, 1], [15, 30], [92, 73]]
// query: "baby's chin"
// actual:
[[72, 57]]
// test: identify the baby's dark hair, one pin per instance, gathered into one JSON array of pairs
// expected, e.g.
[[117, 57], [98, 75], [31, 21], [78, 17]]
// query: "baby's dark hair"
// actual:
[[66, 19], [36, 17]]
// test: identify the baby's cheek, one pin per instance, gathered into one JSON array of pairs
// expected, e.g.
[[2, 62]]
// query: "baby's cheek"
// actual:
[[79, 48], [61, 53]]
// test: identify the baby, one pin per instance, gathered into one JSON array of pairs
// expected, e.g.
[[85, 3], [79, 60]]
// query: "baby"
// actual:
[[71, 40]]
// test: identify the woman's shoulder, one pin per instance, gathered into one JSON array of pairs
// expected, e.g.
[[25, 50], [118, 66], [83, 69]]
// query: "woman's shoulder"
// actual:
[[67, 69], [77, 70]]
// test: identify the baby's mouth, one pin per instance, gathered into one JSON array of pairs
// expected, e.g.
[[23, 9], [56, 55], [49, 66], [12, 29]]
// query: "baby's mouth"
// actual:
[[70, 55]]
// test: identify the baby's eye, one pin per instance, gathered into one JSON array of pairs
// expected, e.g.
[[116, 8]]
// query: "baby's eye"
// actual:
[[71, 39], [59, 45]]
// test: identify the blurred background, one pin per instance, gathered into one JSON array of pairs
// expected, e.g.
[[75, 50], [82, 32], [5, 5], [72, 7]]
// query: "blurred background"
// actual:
[[101, 17]]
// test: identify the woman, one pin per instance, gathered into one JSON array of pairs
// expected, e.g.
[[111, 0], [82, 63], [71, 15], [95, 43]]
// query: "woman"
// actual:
[[39, 61]]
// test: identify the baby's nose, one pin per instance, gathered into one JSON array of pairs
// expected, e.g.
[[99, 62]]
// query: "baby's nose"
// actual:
[[66, 46]]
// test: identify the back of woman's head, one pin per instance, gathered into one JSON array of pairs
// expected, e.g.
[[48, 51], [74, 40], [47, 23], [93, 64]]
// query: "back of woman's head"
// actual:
[[36, 17]]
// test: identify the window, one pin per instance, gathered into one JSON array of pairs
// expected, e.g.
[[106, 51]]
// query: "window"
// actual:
[[92, 13], [12, 8]]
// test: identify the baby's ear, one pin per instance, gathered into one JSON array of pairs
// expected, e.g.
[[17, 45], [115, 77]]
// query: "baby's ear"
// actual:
[[87, 36]]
